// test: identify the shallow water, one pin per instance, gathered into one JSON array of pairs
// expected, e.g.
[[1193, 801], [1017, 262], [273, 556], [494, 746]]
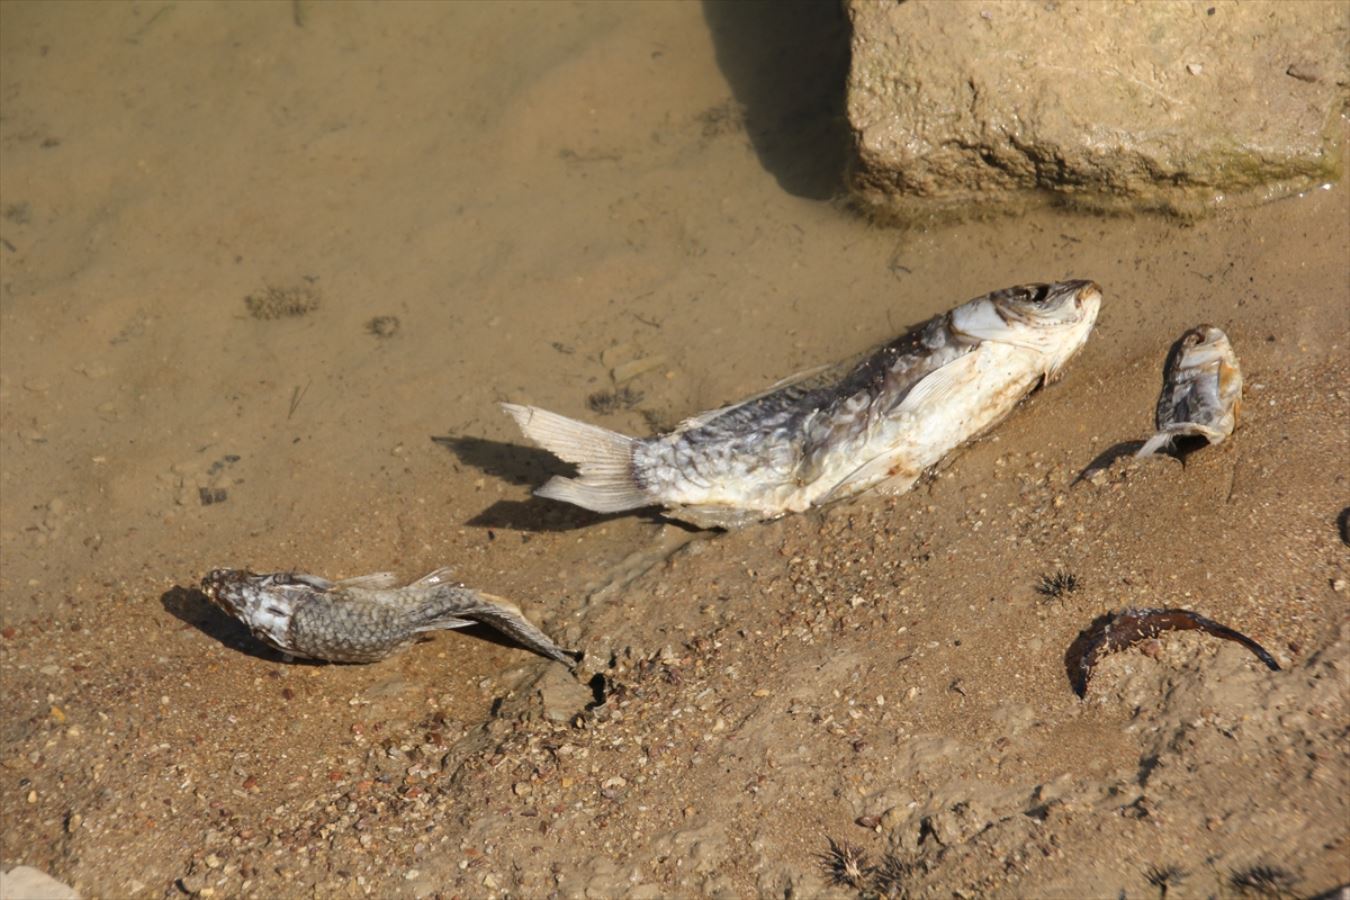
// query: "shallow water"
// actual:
[[541, 195]]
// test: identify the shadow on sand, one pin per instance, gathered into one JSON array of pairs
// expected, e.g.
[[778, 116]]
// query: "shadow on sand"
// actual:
[[787, 64], [527, 466], [1107, 458]]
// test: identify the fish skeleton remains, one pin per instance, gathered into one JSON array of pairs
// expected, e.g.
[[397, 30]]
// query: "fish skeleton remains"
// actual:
[[363, 619], [825, 435], [1202, 390]]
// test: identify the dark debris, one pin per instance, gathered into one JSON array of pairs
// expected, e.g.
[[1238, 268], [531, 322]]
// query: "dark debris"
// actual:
[[1055, 586]]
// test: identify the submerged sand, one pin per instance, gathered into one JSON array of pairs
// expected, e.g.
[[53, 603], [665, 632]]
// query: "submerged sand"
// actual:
[[622, 213]]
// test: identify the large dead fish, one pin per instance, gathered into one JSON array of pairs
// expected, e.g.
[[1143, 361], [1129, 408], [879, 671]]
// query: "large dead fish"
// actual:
[[826, 435], [363, 619], [1202, 390]]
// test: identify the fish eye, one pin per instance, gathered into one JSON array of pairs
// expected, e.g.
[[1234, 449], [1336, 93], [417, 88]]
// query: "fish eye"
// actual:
[[1033, 293]]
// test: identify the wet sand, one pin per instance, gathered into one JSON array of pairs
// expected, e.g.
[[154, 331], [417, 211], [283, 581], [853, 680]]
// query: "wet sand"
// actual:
[[478, 203]]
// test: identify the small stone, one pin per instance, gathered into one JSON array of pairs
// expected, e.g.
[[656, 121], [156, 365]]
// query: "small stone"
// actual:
[[25, 881], [522, 789], [212, 861]]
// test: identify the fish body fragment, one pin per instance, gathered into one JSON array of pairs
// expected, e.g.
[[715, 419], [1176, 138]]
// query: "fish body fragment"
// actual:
[[878, 424], [363, 619], [1202, 391]]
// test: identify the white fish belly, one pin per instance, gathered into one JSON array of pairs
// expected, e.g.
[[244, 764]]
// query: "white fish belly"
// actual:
[[978, 391]]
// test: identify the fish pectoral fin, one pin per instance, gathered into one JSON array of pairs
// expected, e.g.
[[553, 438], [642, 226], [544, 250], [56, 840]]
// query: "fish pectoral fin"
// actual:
[[373, 581], [899, 483], [885, 474], [939, 386]]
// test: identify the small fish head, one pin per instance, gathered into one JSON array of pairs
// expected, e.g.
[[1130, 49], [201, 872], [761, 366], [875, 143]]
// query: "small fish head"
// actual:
[[265, 603], [1202, 345]]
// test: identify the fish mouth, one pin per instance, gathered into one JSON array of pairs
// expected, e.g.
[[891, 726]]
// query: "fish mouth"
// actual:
[[218, 585], [1086, 291]]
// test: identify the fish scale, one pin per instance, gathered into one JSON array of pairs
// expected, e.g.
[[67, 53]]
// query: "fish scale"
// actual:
[[363, 619]]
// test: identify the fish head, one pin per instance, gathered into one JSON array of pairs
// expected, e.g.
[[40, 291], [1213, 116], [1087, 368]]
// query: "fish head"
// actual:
[[1203, 345], [265, 603], [1053, 319]]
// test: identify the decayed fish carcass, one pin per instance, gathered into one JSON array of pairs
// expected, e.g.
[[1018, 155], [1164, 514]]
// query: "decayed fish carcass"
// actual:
[[1202, 391], [363, 619], [878, 424]]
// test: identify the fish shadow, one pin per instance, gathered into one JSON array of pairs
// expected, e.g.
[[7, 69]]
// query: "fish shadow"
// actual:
[[1183, 445], [510, 462], [1108, 458], [539, 514], [490, 635], [191, 606], [527, 466]]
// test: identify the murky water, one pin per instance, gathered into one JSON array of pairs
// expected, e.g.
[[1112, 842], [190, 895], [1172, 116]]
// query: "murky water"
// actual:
[[528, 200]]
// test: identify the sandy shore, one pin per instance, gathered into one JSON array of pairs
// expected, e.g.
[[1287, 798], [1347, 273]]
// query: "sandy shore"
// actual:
[[612, 211]]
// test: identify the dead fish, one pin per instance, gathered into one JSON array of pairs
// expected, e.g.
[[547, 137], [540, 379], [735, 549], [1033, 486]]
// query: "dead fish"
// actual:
[[832, 433], [1122, 630], [363, 619], [1202, 390]]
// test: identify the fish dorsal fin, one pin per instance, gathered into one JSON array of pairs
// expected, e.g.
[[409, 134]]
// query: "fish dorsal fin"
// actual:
[[438, 576], [374, 581], [805, 380]]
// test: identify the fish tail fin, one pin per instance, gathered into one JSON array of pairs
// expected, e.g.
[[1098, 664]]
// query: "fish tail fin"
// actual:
[[1163, 439], [506, 617], [1160, 441], [604, 458], [451, 606]]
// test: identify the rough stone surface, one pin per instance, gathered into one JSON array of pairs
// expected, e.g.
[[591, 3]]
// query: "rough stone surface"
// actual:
[[27, 883], [1165, 106]]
